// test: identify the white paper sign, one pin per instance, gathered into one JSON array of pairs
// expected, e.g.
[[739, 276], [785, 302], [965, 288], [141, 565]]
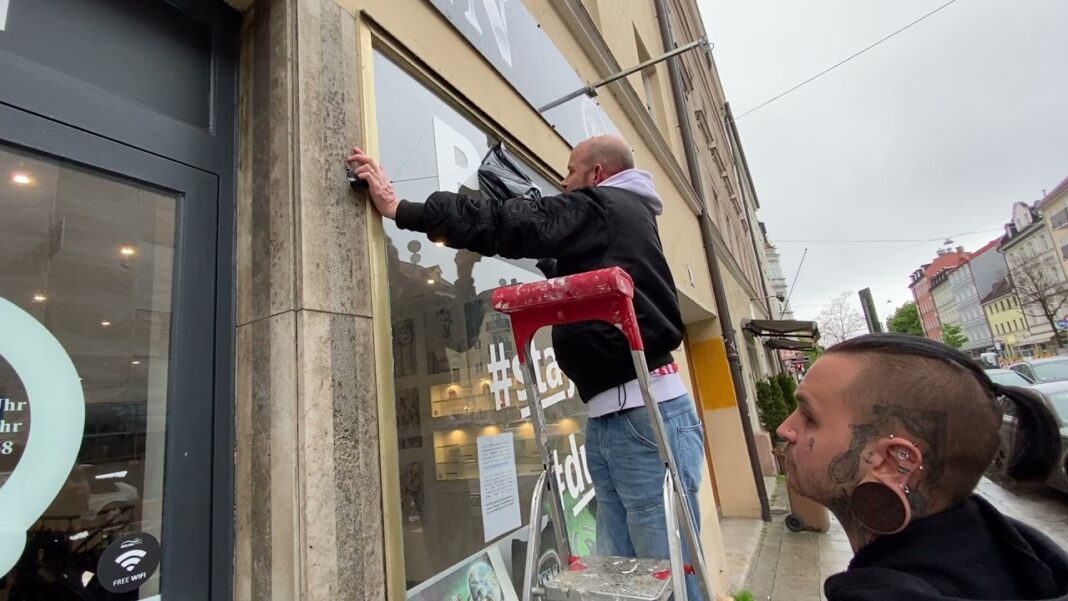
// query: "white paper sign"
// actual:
[[498, 485]]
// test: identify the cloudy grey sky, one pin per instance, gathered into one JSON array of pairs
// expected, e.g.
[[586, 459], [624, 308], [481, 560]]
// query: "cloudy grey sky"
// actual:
[[933, 133]]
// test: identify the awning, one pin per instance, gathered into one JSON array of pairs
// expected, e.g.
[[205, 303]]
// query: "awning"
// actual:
[[785, 344], [783, 327]]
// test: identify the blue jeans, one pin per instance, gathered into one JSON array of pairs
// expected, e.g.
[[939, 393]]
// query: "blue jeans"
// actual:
[[628, 477]]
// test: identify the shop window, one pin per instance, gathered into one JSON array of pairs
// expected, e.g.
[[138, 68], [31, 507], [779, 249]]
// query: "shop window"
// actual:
[[455, 371], [90, 259]]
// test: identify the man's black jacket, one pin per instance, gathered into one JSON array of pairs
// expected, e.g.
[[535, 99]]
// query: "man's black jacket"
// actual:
[[583, 230], [969, 552]]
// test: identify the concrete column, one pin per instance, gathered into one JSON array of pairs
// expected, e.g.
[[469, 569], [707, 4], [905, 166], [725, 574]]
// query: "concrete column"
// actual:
[[308, 503]]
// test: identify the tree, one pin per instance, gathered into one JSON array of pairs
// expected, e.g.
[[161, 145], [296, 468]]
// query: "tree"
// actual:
[[771, 407], [839, 320], [1041, 288], [906, 320], [789, 386], [953, 336]]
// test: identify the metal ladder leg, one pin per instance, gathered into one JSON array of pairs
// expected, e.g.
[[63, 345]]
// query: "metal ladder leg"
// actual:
[[678, 570], [689, 526], [537, 418], [534, 540]]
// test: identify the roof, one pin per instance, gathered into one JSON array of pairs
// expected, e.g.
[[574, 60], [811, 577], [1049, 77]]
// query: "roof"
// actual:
[[988, 246], [1001, 288], [1056, 191], [948, 260]]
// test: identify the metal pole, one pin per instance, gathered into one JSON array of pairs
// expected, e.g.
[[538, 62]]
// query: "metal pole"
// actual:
[[591, 89], [713, 264]]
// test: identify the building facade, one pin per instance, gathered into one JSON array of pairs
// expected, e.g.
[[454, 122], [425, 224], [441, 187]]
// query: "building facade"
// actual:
[[1054, 210], [778, 285], [921, 286], [1037, 273], [971, 282], [1007, 323], [246, 366], [945, 302]]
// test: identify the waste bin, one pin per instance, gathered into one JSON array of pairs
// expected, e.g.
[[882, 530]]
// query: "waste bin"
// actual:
[[805, 514]]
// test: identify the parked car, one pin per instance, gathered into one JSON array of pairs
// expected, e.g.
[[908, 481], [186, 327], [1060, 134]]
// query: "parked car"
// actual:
[[1053, 369], [1021, 456], [1008, 377]]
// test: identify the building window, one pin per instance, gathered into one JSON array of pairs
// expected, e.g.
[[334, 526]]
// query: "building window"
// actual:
[[1058, 219], [449, 391]]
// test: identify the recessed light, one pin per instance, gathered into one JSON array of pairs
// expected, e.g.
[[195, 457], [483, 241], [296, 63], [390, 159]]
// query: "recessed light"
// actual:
[[430, 281], [20, 178], [127, 251], [135, 362], [39, 298], [105, 323]]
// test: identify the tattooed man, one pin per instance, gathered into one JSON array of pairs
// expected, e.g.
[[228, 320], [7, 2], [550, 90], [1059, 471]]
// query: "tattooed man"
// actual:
[[892, 433]]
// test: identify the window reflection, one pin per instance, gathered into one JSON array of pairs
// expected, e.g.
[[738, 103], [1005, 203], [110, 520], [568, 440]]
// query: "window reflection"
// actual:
[[455, 372]]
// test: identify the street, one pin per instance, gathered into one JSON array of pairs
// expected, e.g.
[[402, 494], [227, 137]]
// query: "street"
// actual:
[[1032, 502]]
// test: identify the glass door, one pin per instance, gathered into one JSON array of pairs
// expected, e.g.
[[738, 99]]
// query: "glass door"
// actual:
[[107, 304]]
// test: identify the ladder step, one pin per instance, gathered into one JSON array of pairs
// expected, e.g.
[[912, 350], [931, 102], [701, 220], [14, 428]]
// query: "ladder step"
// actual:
[[604, 578]]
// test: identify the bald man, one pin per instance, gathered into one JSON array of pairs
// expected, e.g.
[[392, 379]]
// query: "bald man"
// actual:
[[606, 217]]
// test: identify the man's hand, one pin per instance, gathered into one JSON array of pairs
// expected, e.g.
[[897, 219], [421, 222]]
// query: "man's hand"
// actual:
[[378, 184]]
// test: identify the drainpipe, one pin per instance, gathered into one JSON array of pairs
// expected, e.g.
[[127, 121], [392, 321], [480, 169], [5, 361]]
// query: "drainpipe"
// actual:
[[710, 255]]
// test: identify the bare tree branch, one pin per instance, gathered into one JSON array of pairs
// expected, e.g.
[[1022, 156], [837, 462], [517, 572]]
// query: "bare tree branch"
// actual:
[[1042, 291], [839, 320]]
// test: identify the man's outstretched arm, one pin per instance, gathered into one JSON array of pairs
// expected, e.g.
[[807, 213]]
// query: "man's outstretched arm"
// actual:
[[550, 227]]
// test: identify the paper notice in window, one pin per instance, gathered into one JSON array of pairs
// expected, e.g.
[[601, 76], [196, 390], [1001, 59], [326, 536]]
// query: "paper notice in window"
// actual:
[[498, 485]]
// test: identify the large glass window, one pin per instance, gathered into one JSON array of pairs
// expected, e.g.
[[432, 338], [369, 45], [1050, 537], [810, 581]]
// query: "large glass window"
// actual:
[[86, 265], [458, 384]]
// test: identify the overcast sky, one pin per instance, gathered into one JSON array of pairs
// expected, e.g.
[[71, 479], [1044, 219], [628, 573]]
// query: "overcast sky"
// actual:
[[937, 131]]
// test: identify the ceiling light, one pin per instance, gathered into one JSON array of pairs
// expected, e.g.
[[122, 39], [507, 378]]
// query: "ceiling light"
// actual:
[[439, 244], [135, 362], [39, 298], [127, 251], [20, 178], [105, 323], [430, 281]]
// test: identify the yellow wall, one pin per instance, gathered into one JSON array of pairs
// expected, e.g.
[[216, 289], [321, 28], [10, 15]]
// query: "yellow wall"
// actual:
[[1007, 321], [724, 436]]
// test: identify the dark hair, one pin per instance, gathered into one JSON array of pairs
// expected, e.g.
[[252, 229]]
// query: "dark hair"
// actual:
[[926, 375]]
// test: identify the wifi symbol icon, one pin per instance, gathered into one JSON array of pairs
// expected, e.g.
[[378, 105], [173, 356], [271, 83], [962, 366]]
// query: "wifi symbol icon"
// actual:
[[130, 559]]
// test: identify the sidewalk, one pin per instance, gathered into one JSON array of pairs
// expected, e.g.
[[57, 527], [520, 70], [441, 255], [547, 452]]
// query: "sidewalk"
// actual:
[[784, 565], [775, 564]]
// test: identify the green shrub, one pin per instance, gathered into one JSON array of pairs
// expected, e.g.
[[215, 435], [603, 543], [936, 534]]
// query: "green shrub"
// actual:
[[789, 387], [771, 408]]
